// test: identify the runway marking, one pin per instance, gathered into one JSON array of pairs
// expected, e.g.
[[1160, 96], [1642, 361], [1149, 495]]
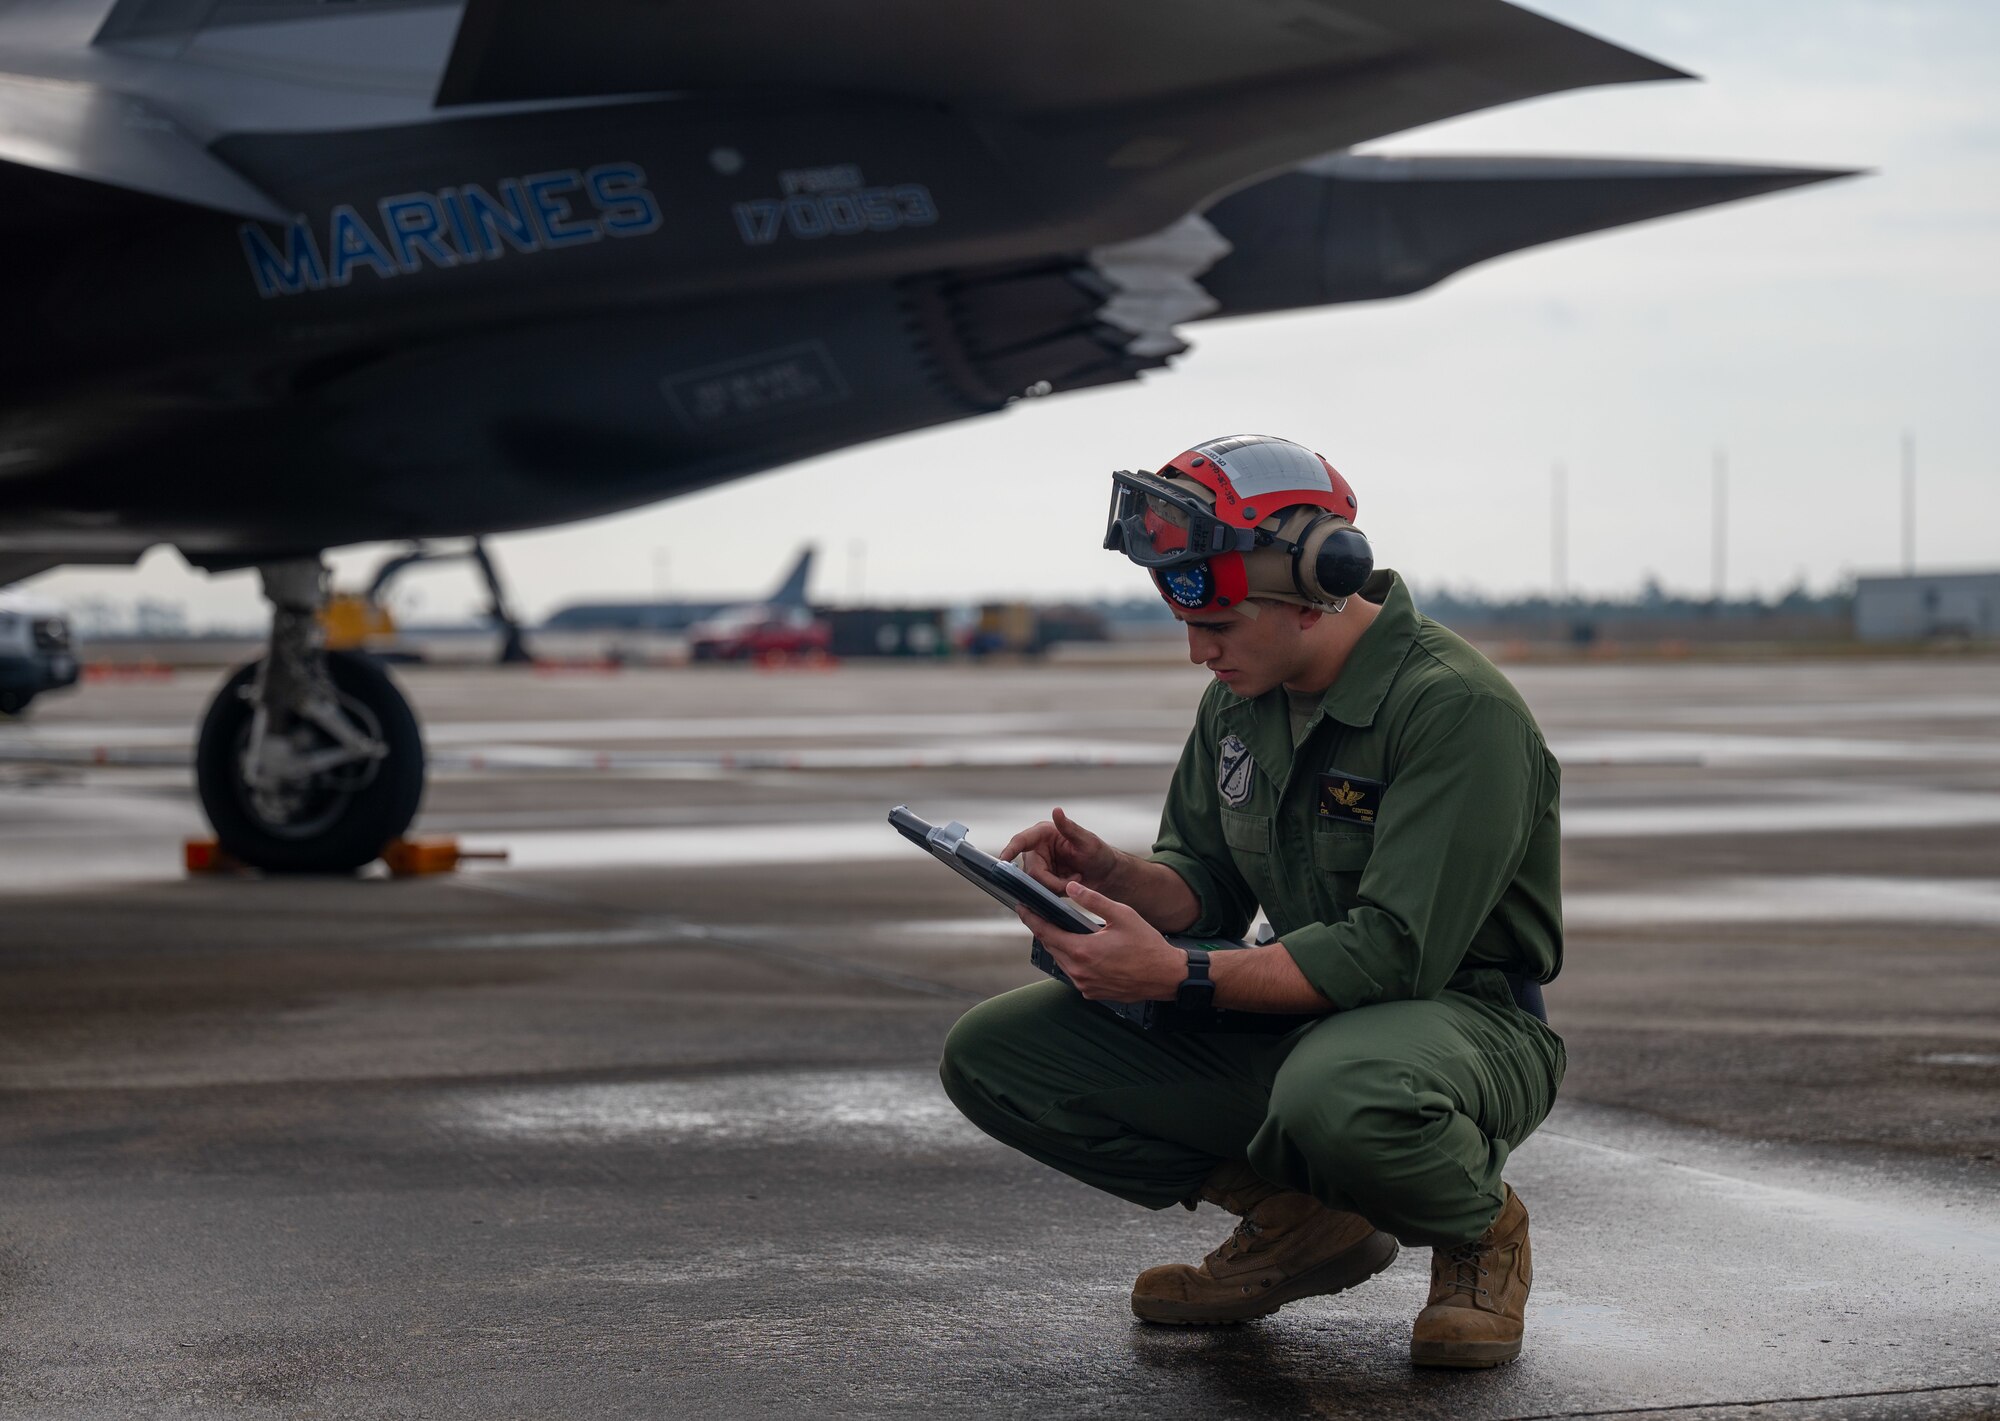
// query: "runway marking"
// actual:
[[830, 726], [968, 739], [870, 725], [1006, 754], [839, 841], [1132, 821], [560, 939], [1809, 898], [1617, 747], [136, 837], [1862, 708], [501, 758], [1929, 1028], [1851, 807], [1000, 924]]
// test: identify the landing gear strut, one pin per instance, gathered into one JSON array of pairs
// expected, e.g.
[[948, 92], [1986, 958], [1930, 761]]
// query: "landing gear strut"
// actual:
[[309, 761]]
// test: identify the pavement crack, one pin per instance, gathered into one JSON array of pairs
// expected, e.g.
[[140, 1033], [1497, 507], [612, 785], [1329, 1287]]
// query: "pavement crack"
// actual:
[[1695, 1408]]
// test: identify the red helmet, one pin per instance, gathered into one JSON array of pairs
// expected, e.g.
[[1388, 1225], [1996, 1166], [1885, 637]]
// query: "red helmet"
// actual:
[[1201, 522]]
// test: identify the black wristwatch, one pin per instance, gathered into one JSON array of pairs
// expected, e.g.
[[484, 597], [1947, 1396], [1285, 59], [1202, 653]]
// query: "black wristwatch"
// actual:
[[1197, 989]]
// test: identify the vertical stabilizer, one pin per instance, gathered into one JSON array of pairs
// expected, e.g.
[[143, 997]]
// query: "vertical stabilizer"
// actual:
[[792, 591]]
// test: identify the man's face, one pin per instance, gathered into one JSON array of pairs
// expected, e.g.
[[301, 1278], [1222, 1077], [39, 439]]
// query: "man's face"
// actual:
[[1250, 655]]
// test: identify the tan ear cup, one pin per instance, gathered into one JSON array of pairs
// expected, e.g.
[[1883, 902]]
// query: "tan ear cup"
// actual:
[[1276, 573], [1333, 560]]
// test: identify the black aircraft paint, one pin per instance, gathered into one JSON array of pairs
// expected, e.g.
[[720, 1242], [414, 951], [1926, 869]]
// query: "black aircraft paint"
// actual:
[[553, 290]]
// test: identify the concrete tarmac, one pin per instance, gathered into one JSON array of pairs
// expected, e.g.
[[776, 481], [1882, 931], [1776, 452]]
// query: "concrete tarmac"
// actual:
[[646, 1123]]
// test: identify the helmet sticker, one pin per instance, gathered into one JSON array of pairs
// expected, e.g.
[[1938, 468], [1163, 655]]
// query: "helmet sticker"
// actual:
[[1189, 587], [1257, 465], [1232, 771]]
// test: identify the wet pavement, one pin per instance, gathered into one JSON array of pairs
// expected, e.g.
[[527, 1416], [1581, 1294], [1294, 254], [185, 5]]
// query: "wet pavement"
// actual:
[[644, 1123]]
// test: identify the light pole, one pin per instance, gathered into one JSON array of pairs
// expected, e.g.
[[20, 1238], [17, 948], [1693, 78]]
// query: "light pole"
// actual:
[[1909, 504], [1719, 550], [1559, 531]]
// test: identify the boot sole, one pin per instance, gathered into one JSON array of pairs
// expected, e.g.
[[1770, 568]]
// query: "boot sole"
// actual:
[[1339, 1273], [1465, 1356]]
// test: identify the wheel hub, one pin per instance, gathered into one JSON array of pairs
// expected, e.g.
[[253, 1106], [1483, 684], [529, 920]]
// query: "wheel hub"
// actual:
[[296, 781]]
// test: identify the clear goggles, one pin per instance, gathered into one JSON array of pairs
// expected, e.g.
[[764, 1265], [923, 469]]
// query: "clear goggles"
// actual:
[[1158, 524]]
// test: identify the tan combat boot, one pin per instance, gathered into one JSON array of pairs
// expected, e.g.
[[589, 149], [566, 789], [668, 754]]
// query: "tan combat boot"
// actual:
[[1287, 1246], [1479, 1292]]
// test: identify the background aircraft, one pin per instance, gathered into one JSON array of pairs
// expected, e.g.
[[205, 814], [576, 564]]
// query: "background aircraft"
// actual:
[[674, 616], [282, 276]]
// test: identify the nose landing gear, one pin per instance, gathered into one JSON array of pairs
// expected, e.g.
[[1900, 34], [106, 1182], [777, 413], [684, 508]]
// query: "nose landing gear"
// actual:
[[309, 761]]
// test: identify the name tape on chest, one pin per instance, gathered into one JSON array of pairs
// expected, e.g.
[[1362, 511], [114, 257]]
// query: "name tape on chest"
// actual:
[[1349, 798]]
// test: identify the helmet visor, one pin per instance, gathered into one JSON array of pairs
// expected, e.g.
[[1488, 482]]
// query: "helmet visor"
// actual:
[[1158, 524]]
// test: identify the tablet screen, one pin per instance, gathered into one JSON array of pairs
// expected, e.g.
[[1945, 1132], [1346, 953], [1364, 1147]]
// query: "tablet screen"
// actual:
[[1003, 882]]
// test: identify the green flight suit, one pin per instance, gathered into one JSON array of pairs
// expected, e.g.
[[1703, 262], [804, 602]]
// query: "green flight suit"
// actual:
[[1405, 851]]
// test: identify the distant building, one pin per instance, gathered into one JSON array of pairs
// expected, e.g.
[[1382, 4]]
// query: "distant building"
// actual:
[[1953, 604], [888, 631]]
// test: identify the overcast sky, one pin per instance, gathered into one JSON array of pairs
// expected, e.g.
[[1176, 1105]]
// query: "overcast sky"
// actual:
[[1803, 333]]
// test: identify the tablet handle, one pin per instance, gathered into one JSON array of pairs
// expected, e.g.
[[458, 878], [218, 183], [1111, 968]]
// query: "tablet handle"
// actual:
[[949, 836]]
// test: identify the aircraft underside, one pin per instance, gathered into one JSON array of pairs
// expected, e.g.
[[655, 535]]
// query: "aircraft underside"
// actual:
[[285, 276]]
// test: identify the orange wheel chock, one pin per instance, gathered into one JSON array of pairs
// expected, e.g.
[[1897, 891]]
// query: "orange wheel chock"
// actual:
[[208, 856], [406, 858], [412, 858]]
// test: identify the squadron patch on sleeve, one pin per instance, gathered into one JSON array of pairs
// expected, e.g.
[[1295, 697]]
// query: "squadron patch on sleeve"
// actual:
[[1233, 768], [1349, 798]]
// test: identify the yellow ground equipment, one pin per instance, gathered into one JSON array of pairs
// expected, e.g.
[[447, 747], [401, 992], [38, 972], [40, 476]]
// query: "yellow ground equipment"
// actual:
[[361, 621], [354, 621]]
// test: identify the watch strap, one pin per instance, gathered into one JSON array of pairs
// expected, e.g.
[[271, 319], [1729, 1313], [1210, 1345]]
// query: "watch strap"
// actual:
[[1197, 989]]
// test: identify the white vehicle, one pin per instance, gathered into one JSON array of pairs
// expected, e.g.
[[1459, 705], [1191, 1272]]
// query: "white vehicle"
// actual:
[[35, 650]]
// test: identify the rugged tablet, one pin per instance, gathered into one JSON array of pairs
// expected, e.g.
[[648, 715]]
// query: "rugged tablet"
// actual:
[[1003, 882], [1012, 887]]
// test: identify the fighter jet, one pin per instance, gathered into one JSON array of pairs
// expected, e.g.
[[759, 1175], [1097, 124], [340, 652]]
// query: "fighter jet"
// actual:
[[283, 275]]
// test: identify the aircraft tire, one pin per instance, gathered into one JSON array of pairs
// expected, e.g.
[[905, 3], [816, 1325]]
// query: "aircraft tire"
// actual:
[[346, 818]]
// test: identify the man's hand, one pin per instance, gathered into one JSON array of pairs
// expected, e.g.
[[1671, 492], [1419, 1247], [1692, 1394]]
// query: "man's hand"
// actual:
[[1059, 851], [1126, 961]]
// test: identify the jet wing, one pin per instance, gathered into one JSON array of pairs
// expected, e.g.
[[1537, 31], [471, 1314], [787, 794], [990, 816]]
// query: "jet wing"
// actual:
[[83, 130], [1340, 228], [1360, 228], [1367, 67]]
